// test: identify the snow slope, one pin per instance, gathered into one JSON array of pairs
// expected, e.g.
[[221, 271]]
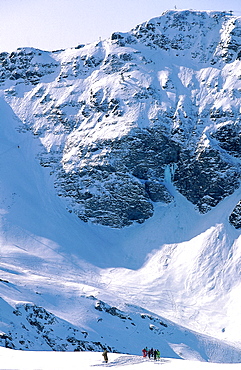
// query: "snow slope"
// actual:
[[44, 261], [179, 266], [20, 360]]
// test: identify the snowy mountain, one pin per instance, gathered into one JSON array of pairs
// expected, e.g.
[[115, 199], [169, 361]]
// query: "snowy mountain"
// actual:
[[120, 191]]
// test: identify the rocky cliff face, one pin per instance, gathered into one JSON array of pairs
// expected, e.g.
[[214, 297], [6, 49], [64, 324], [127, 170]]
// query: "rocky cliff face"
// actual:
[[122, 119]]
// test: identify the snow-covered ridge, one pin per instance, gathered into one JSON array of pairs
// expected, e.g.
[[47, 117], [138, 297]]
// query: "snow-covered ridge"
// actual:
[[168, 90], [29, 327]]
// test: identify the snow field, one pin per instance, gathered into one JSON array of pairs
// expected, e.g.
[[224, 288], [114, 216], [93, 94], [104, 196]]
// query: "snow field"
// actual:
[[34, 360]]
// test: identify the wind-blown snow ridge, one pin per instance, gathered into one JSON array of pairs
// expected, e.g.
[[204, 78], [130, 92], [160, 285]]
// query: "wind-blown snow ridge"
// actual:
[[139, 137]]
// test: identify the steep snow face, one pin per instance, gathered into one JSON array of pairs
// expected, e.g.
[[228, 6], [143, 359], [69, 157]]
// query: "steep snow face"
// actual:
[[112, 116]]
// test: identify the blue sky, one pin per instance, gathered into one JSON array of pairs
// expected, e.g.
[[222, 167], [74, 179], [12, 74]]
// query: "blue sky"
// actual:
[[55, 24]]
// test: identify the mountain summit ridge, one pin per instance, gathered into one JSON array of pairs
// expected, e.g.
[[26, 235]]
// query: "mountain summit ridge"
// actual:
[[118, 112]]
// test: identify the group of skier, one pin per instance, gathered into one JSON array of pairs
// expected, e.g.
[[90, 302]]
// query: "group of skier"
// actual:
[[151, 353]]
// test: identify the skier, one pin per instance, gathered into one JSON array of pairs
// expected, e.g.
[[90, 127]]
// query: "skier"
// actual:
[[104, 354], [155, 354], [144, 352], [158, 354]]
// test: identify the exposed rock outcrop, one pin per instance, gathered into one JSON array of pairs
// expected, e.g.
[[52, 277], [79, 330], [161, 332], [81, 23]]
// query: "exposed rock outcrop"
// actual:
[[235, 217], [35, 327]]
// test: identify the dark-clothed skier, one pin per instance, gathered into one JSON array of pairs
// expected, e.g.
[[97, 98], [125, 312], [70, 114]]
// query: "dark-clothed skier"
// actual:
[[155, 354], [104, 354]]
